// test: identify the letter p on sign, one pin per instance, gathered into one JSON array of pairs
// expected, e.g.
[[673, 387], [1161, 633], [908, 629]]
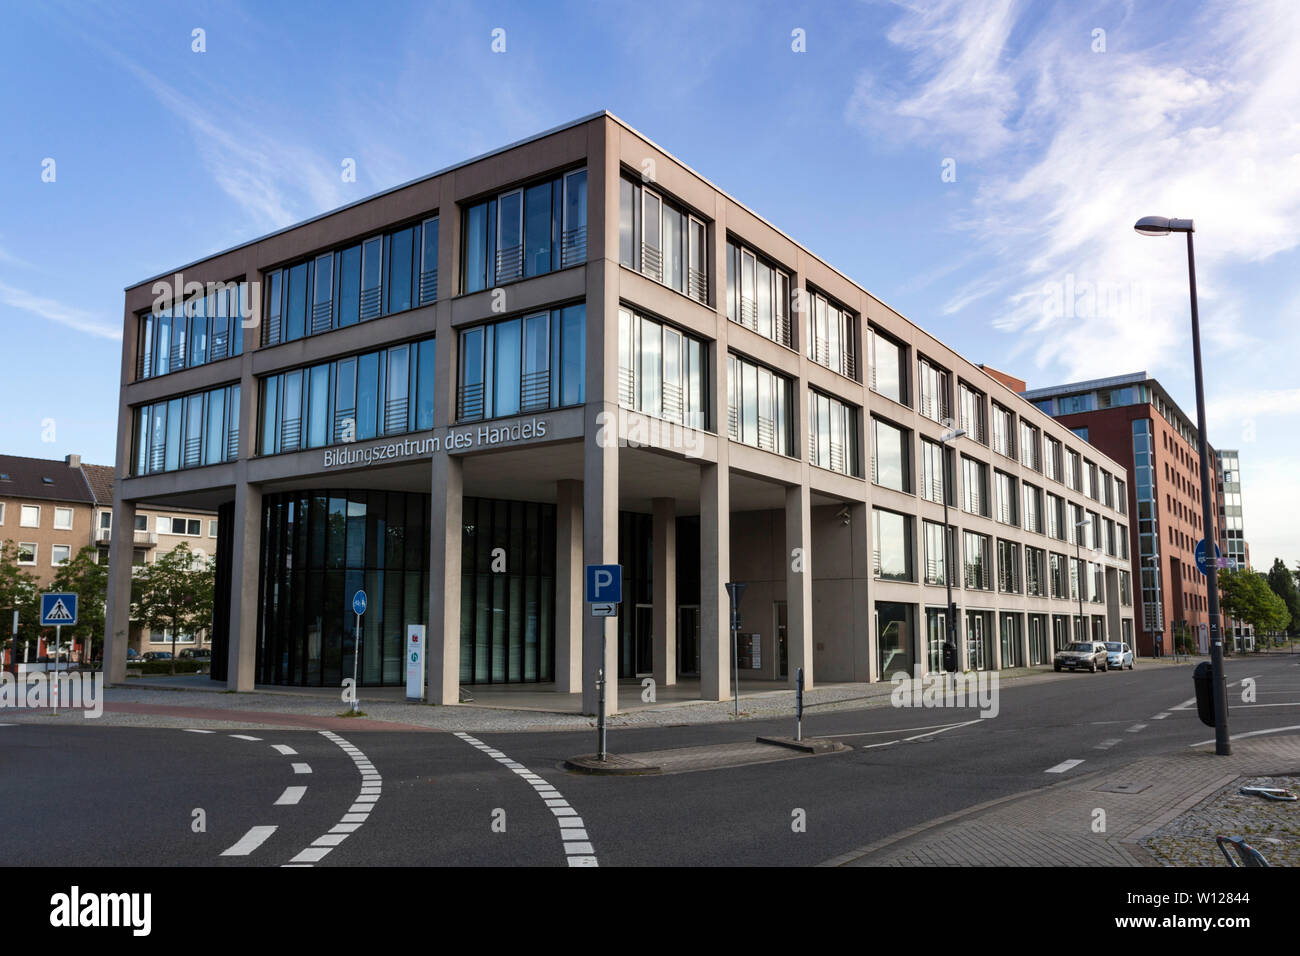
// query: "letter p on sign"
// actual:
[[605, 583]]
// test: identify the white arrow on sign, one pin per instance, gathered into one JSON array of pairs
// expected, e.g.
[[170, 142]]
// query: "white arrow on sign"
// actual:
[[604, 610]]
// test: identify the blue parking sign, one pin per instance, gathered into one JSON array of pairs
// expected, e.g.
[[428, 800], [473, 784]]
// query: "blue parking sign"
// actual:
[[605, 583], [58, 608]]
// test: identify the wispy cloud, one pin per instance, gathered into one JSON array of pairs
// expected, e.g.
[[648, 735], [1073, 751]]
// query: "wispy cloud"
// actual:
[[54, 311]]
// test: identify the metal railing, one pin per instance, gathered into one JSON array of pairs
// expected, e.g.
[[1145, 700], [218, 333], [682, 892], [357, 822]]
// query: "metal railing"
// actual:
[[652, 262], [322, 316], [470, 402], [535, 391], [697, 284], [371, 302], [573, 246], [510, 263], [428, 286]]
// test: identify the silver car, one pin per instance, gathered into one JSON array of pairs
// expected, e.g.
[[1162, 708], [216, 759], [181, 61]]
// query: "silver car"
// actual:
[[1081, 655], [1119, 654]]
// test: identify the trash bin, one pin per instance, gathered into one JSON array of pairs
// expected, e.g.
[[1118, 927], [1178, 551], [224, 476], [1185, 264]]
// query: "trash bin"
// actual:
[[1203, 678]]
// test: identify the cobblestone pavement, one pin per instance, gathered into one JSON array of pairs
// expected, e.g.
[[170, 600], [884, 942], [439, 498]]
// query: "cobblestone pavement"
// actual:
[[1157, 811]]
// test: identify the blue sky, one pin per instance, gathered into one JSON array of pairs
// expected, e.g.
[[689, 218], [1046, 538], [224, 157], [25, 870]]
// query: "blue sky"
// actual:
[[1060, 137]]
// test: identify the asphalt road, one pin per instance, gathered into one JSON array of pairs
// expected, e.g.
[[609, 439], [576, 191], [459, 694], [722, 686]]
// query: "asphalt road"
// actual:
[[87, 795]]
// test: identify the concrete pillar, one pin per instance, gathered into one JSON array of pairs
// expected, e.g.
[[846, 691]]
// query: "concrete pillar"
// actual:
[[715, 571], [117, 617], [866, 661], [246, 556], [1024, 639], [568, 586], [600, 546], [445, 542], [798, 582], [994, 656], [665, 591]]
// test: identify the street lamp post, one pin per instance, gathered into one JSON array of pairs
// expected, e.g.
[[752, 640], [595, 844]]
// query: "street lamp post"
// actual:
[[1159, 226], [950, 649]]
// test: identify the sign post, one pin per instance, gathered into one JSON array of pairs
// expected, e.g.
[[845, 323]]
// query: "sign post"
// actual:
[[415, 662], [798, 704], [57, 609], [604, 594], [735, 591], [358, 608]]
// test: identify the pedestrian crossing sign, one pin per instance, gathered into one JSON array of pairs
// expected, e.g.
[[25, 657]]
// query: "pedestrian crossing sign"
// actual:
[[58, 608]]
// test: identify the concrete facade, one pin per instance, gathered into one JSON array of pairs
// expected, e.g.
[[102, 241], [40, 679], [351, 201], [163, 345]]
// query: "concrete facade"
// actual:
[[798, 534]]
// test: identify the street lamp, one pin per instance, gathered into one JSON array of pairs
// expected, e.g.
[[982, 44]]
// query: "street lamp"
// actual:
[[950, 648], [1159, 226], [1078, 563]]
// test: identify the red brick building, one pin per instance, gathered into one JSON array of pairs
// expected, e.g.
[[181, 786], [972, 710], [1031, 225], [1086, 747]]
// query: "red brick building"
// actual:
[[1132, 419]]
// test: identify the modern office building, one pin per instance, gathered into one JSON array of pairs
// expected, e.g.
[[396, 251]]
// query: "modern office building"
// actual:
[[1132, 419], [1232, 536], [575, 350]]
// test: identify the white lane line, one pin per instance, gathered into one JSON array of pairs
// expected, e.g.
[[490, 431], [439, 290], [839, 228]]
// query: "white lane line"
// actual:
[[1253, 733], [244, 737], [1161, 716], [357, 814], [194, 730], [578, 850], [1294, 703], [285, 749], [291, 796], [1136, 728], [1105, 745], [1063, 766], [887, 743], [944, 730], [249, 842], [901, 730], [1185, 705]]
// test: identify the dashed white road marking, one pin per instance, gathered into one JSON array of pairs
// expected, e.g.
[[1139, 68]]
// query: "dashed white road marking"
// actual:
[[888, 743], [249, 842], [244, 737], [1136, 728], [578, 850], [195, 730], [1253, 733], [302, 768], [1161, 716], [357, 814], [291, 796], [1063, 766], [284, 749], [1104, 745]]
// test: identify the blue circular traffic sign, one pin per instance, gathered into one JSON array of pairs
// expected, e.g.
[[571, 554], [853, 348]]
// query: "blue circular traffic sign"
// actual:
[[359, 602]]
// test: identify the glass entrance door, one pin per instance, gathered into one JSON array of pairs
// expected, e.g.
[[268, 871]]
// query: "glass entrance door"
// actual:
[[782, 649], [936, 632], [688, 641], [643, 634], [975, 642], [1037, 640]]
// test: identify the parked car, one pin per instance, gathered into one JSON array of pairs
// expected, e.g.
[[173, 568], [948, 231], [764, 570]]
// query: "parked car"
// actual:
[[132, 656], [158, 655], [196, 654], [1119, 654], [1081, 654]]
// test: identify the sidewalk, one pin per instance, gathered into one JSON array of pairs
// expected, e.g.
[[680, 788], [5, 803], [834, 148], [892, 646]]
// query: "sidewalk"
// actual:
[[1158, 811]]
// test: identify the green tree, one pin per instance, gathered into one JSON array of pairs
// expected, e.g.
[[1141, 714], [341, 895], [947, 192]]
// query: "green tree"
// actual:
[[1246, 596], [17, 593], [1282, 582], [85, 577], [175, 593]]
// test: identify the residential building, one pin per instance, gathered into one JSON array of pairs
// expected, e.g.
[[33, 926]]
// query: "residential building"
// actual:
[[577, 351]]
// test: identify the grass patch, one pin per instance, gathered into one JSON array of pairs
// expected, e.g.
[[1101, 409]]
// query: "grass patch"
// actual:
[[348, 713]]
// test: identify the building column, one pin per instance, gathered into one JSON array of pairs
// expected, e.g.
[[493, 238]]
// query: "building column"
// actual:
[[246, 557], [865, 659], [117, 617], [445, 542], [995, 651], [1024, 638], [664, 577], [798, 583], [600, 546], [568, 586], [715, 571]]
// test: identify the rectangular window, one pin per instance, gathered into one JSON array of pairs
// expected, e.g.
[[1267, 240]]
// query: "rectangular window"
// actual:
[[574, 231], [1005, 495], [757, 292], [1033, 508], [760, 411], [975, 486], [662, 240], [1034, 571], [833, 435], [934, 472], [1008, 567], [1004, 431], [522, 365], [29, 516], [201, 428], [933, 389], [62, 519], [976, 549], [1053, 459], [1030, 446], [970, 410], [401, 248], [890, 455], [936, 555], [892, 538], [191, 333], [27, 551]]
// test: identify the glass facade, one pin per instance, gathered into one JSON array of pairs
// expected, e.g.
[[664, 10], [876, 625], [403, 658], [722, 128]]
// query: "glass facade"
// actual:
[[662, 371], [523, 365], [892, 537], [524, 232], [201, 428], [662, 240], [894, 638], [833, 337], [205, 328], [351, 399], [933, 390], [320, 547], [1148, 531], [387, 273], [833, 435], [891, 455]]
